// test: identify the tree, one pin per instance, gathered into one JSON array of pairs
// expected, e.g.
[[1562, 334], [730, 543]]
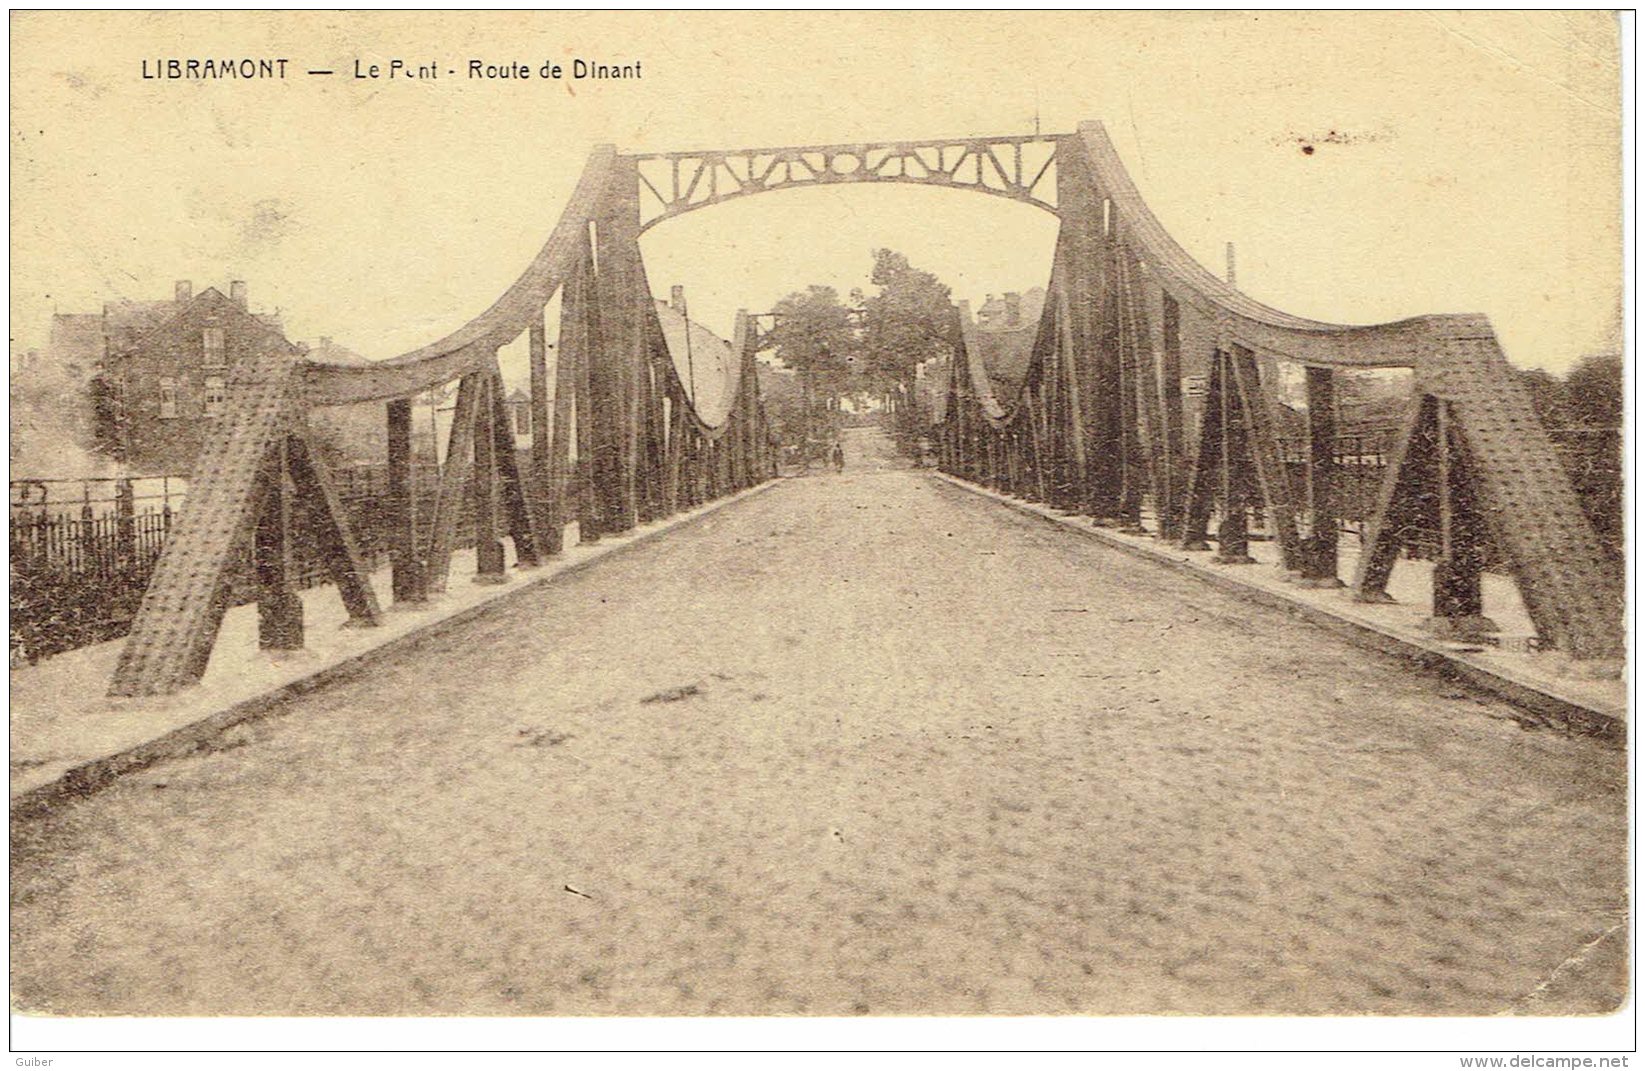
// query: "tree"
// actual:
[[907, 322], [1593, 391], [1588, 433], [813, 333], [1582, 415], [813, 336]]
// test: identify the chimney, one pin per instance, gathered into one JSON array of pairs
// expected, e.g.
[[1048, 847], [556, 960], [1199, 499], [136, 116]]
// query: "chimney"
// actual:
[[1013, 309], [676, 298], [183, 290], [237, 292]]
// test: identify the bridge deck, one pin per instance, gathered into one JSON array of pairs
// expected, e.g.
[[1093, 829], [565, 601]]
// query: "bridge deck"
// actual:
[[862, 743]]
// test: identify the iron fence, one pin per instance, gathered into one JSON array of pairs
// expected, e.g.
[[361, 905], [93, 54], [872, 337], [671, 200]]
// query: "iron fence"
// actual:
[[89, 497], [79, 581], [78, 574], [1361, 459], [1592, 458]]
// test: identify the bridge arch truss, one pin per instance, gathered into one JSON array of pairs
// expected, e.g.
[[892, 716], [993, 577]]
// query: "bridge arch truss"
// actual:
[[1019, 168]]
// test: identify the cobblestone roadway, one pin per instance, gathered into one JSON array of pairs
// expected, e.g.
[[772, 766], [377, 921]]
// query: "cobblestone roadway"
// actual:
[[863, 743]]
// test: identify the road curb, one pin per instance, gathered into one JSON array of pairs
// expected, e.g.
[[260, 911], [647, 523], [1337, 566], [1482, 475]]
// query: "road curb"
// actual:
[[197, 736], [1538, 698]]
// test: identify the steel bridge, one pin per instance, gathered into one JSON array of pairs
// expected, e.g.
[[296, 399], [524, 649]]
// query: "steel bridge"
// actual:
[[1096, 428], [847, 744]]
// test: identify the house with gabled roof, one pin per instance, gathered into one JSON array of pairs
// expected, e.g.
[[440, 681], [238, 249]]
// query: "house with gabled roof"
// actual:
[[164, 371]]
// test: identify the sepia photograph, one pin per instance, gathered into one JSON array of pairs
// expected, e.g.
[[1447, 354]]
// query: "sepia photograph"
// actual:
[[1130, 533]]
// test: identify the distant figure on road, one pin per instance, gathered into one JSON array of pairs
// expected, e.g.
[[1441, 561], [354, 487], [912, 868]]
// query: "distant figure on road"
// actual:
[[838, 458]]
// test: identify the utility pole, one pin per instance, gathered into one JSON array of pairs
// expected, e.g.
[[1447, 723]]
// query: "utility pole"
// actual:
[[1232, 280], [690, 362]]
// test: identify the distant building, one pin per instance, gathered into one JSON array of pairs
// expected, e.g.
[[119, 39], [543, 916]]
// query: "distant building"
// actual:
[[1012, 311], [162, 368], [703, 360], [516, 411], [351, 434], [1006, 328]]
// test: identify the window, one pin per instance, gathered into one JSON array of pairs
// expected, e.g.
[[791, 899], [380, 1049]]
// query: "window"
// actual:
[[215, 394], [216, 354], [168, 398]]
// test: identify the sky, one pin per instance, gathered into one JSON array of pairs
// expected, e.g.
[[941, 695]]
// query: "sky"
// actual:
[[1463, 162]]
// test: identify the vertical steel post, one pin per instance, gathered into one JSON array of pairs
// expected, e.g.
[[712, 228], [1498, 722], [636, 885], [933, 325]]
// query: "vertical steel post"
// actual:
[[674, 442], [540, 489], [1459, 608], [578, 335], [1170, 385], [1121, 340], [408, 581], [279, 609], [561, 510], [1319, 551], [617, 349], [643, 410], [1233, 540], [1053, 443], [1133, 405], [1036, 439], [489, 558], [1200, 494], [1071, 411], [657, 430], [629, 347], [1085, 247]]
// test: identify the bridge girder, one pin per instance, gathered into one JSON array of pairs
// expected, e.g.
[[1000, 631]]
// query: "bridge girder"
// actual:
[[1020, 168], [1096, 424]]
